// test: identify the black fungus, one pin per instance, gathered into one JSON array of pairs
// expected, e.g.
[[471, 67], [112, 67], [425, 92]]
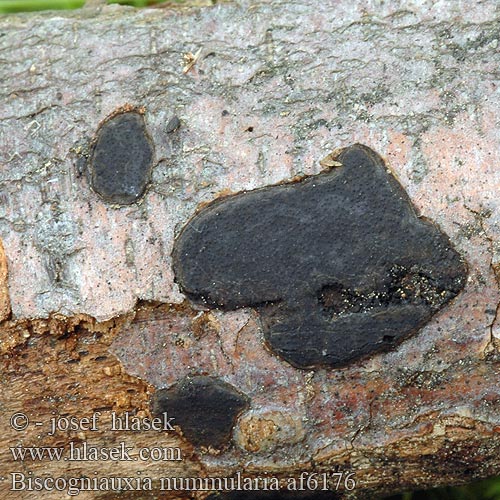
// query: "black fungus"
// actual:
[[173, 124], [122, 158], [338, 265], [205, 408]]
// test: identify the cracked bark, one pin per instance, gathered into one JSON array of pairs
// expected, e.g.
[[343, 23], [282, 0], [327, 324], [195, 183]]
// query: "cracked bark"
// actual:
[[96, 322]]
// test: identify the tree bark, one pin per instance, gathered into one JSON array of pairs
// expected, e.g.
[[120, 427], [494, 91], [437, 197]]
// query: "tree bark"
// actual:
[[93, 322]]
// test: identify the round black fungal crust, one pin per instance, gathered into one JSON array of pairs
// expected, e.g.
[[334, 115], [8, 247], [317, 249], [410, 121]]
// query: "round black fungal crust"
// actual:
[[122, 158], [205, 408], [173, 124], [338, 265]]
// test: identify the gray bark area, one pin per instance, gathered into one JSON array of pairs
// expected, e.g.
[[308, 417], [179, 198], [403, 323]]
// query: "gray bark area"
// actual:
[[276, 87]]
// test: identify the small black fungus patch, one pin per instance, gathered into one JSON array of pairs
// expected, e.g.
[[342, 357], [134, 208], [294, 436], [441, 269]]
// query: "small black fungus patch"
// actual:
[[205, 408], [338, 265], [122, 159], [173, 124]]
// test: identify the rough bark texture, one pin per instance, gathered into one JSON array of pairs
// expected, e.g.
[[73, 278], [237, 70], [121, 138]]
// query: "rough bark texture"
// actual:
[[4, 288], [97, 322]]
